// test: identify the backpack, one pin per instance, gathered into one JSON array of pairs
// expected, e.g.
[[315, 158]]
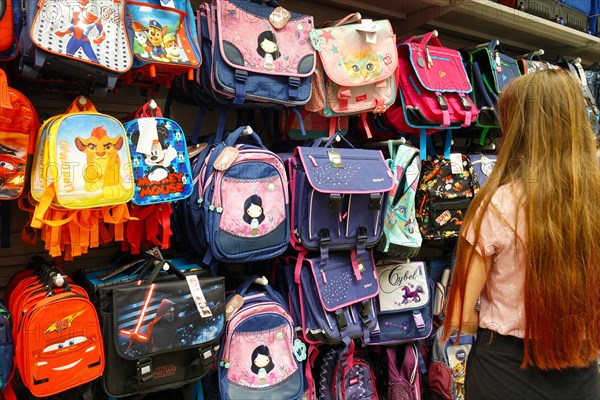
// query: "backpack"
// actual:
[[338, 197], [260, 52], [67, 349], [81, 177], [18, 128], [483, 165], [404, 302], [433, 89], [260, 356], [86, 41], [161, 331], [303, 124], [592, 108], [448, 366], [244, 200], [346, 374], [401, 236], [331, 302], [446, 189], [164, 40], [6, 346], [404, 384], [10, 28], [490, 71], [357, 68]]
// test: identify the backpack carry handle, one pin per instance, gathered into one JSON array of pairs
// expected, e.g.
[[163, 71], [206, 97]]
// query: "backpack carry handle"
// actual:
[[427, 38], [4, 96], [260, 281], [246, 130], [170, 268], [80, 104], [149, 110], [335, 138]]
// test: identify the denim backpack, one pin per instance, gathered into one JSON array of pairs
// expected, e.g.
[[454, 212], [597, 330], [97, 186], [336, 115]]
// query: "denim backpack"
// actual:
[[338, 197], [333, 302], [404, 303], [401, 236], [244, 200], [260, 356], [346, 374], [6, 346], [260, 52]]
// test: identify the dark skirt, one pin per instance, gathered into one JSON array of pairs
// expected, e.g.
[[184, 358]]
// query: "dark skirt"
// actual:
[[494, 372]]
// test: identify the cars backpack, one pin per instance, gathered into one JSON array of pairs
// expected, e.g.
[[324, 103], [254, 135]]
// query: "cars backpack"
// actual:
[[260, 356], [446, 188], [401, 236]]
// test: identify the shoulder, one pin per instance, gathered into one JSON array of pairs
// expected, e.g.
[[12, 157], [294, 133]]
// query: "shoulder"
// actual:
[[507, 200]]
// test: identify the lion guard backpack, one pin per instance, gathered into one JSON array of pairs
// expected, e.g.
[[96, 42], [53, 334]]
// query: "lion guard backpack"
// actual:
[[82, 179]]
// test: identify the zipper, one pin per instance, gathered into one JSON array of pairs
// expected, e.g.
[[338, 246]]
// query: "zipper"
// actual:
[[310, 208], [451, 204]]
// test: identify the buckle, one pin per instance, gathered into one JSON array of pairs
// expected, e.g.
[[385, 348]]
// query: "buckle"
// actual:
[[294, 81], [144, 370], [418, 318], [364, 313], [375, 201], [341, 319], [335, 201], [442, 101], [361, 234], [324, 236], [465, 103], [207, 357], [241, 75]]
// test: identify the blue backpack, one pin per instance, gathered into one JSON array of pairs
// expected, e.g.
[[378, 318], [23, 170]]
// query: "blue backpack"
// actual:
[[338, 197], [242, 200], [332, 302], [260, 356], [260, 52], [6, 346]]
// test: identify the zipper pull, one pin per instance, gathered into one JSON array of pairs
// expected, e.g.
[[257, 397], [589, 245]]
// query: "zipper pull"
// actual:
[[429, 60], [498, 65]]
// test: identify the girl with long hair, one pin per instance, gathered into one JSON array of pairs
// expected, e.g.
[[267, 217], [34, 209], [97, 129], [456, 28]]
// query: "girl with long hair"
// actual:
[[529, 250]]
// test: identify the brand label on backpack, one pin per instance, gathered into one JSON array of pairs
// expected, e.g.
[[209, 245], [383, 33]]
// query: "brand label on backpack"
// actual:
[[402, 286]]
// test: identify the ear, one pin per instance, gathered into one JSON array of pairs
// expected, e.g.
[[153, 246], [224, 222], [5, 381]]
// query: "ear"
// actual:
[[79, 143], [164, 31], [119, 143], [162, 136], [135, 136]]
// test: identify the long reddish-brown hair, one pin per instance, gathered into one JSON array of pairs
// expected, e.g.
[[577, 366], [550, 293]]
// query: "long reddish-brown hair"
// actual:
[[548, 150]]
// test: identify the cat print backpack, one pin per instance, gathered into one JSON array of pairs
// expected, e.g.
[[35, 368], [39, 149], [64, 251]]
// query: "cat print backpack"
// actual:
[[357, 68], [81, 39], [260, 357]]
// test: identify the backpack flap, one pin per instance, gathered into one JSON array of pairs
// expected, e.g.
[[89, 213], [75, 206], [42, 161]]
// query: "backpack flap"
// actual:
[[404, 303], [89, 32], [342, 201], [167, 316], [360, 62], [256, 44], [161, 35], [161, 165], [497, 69], [435, 87]]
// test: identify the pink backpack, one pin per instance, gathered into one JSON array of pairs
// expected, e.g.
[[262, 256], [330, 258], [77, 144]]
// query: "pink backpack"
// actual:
[[356, 68], [433, 89]]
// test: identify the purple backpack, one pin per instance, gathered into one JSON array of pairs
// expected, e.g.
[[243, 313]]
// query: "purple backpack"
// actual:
[[338, 197], [332, 302], [404, 384]]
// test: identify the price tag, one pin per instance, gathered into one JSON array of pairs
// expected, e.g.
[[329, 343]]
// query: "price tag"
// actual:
[[233, 305], [456, 163], [226, 158], [198, 296], [335, 158], [279, 17], [148, 134]]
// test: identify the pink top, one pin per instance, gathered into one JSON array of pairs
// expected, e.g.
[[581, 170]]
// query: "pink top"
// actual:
[[502, 234]]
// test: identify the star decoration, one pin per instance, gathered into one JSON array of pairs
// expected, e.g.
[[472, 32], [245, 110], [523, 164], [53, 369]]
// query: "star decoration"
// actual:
[[334, 50], [326, 35]]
